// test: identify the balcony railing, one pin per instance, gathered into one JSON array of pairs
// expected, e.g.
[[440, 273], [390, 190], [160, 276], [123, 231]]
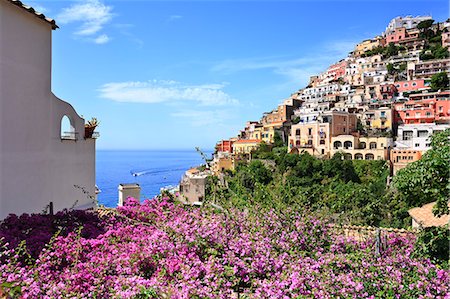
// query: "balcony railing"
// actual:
[[419, 116], [69, 136]]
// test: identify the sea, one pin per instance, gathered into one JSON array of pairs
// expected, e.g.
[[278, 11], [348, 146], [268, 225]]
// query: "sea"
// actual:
[[151, 169]]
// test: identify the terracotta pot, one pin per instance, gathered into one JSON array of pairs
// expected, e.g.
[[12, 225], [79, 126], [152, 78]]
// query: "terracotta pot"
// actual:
[[88, 131]]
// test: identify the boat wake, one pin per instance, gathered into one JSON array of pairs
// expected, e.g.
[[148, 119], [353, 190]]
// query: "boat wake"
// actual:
[[150, 172]]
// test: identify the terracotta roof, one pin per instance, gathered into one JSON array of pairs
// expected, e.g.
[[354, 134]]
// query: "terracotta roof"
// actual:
[[424, 216], [249, 141], [193, 170], [34, 12]]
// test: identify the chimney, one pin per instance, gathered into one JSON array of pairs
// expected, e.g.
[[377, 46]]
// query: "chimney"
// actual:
[[128, 190]]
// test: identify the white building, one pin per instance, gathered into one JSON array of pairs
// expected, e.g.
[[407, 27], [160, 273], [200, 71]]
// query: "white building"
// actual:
[[407, 22], [417, 136], [39, 161]]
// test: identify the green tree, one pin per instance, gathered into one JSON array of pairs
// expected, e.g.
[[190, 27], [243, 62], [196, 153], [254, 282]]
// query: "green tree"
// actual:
[[439, 81], [425, 24], [427, 180], [390, 68], [391, 50], [278, 141]]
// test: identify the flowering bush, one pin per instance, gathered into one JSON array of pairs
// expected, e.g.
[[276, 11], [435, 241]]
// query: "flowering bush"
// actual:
[[163, 250]]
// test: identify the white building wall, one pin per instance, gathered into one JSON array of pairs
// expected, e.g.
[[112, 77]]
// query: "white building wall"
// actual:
[[36, 166], [416, 142]]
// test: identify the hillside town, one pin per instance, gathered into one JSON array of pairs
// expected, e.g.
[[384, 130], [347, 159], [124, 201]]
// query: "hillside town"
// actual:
[[382, 102]]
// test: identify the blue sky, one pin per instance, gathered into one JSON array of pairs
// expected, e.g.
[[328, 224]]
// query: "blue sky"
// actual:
[[180, 74]]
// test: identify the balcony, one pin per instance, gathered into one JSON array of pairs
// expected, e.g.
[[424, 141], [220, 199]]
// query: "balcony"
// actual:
[[420, 117], [69, 136]]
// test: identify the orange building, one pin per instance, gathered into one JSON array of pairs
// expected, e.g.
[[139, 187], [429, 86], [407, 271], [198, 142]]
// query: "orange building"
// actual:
[[433, 107], [400, 158], [225, 146]]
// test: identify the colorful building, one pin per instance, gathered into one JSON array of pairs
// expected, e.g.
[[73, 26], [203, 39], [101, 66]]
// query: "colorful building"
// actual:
[[410, 85], [314, 137], [430, 107], [225, 146], [368, 44], [400, 158], [407, 22], [426, 69], [246, 146], [354, 147], [378, 119]]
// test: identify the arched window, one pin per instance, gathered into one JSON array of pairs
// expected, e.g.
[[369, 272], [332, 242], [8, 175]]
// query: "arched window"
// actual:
[[347, 156], [358, 157], [362, 145], [369, 157], [297, 143], [348, 144], [67, 128], [373, 145], [337, 144]]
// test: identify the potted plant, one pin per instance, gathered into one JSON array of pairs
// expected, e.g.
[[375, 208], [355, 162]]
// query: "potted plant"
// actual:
[[89, 127]]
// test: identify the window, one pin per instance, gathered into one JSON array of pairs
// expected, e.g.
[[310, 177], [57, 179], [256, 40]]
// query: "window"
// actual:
[[297, 132], [428, 114], [441, 108], [405, 85], [407, 114], [417, 145], [348, 144], [407, 135], [358, 157], [322, 141], [372, 145], [309, 131], [422, 133], [414, 84], [67, 128], [337, 144], [362, 145], [370, 157]]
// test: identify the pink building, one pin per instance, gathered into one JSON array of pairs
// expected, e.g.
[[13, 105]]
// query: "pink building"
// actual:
[[337, 70], [401, 35], [410, 85]]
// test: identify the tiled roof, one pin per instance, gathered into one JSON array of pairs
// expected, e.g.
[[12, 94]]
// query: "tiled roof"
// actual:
[[424, 216], [34, 12], [249, 141]]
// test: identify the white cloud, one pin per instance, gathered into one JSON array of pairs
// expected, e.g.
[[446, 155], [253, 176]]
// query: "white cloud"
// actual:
[[166, 92], [295, 69], [92, 14], [174, 17], [102, 39], [204, 118]]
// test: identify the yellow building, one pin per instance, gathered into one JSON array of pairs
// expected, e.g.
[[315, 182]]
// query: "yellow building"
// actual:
[[313, 138], [366, 45], [361, 148], [246, 146], [380, 118], [222, 163]]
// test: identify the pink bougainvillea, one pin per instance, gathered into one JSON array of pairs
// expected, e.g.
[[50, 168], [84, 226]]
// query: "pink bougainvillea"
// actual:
[[162, 249]]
